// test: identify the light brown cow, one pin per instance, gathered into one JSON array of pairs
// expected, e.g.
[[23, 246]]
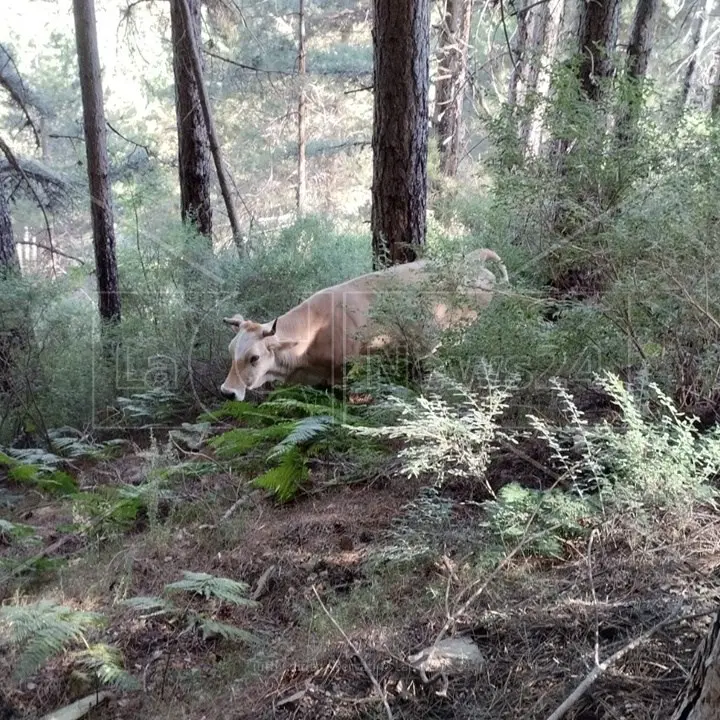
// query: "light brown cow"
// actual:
[[312, 342]]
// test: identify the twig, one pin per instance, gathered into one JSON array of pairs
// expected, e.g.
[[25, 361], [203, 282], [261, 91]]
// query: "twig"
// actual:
[[599, 669], [243, 66], [50, 249], [594, 596], [128, 140], [353, 647], [507, 37]]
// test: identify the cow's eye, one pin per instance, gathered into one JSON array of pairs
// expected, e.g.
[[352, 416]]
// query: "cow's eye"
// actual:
[[254, 359]]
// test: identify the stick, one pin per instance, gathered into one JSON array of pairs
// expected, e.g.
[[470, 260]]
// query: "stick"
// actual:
[[598, 670], [353, 647]]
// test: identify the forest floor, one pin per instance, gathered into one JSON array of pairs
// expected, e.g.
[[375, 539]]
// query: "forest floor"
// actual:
[[539, 623]]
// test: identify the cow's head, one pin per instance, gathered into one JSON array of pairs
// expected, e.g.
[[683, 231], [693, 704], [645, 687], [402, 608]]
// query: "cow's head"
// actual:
[[254, 354]]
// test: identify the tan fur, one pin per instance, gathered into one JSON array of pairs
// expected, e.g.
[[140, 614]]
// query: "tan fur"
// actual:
[[312, 342]]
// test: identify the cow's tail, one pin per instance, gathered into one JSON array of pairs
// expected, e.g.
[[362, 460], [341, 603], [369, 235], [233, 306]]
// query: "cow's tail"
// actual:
[[485, 255]]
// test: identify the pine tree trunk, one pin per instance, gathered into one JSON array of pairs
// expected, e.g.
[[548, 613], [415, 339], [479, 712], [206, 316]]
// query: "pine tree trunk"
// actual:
[[519, 52], [638, 54], [597, 36], [715, 90], [450, 84], [697, 36], [97, 160], [701, 698], [302, 175], [641, 37], [193, 144], [553, 23], [401, 41]]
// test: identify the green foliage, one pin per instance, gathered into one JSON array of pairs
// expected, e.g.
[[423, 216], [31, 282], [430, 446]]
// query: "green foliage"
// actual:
[[44, 476], [44, 629], [10, 531], [450, 430], [106, 663], [287, 477], [541, 520], [208, 587]]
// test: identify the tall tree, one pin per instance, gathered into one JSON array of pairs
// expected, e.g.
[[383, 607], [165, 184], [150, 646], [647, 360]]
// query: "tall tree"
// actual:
[[193, 144], [196, 62], [450, 83], [401, 45], [698, 32], [97, 159], [638, 54], [597, 36], [302, 178], [715, 88], [641, 37]]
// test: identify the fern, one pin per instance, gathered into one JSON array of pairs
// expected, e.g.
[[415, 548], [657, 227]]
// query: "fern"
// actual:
[[241, 440], [106, 664], [285, 480], [150, 604], [14, 531], [213, 628], [38, 468], [45, 629], [209, 586], [303, 432]]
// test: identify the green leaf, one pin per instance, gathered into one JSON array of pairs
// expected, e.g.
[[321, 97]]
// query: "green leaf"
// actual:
[[209, 586], [285, 480]]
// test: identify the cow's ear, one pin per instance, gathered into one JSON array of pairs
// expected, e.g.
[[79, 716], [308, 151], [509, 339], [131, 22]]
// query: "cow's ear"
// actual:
[[234, 322], [271, 331]]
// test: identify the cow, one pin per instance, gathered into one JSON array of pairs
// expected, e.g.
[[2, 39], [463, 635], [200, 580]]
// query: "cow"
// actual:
[[311, 343]]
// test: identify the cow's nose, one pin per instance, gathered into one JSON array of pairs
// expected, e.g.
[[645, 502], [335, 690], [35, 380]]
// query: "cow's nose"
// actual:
[[229, 394]]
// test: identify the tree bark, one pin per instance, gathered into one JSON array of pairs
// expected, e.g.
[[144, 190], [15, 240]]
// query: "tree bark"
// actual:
[[450, 84], [597, 36], [698, 33], [701, 697], [641, 37], [97, 160], [302, 177], [401, 42], [638, 54], [715, 89], [193, 145], [210, 126], [8, 255], [547, 55]]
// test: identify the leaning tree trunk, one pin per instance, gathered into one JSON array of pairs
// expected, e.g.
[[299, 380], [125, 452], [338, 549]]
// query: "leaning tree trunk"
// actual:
[[701, 697], [450, 84], [401, 42], [193, 146], [97, 160], [597, 36]]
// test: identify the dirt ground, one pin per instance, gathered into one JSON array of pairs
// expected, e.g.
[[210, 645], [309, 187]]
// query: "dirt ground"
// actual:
[[539, 623]]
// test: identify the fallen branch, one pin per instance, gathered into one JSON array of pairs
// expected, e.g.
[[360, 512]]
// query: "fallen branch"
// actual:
[[598, 670], [51, 249], [353, 647]]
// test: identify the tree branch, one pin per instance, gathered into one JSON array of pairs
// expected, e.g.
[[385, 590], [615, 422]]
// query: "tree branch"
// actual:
[[13, 161]]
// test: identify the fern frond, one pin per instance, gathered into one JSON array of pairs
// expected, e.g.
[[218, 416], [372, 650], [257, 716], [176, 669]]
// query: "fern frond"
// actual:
[[150, 604], [210, 586], [285, 479], [106, 663], [303, 432], [44, 629], [213, 628], [15, 531], [239, 410], [240, 440]]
